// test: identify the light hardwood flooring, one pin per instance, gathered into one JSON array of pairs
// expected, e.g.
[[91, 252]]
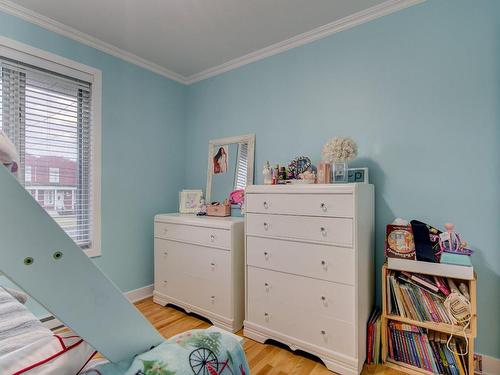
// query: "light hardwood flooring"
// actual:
[[264, 359]]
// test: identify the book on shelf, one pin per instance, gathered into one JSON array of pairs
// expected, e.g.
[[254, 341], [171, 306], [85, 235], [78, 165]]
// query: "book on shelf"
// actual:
[[373, 338], [434, 269], [425, 349], [410, 300]]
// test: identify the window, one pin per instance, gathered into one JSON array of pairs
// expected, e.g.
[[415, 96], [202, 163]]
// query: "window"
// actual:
[[53, 175], [27, 173], [46, 109]]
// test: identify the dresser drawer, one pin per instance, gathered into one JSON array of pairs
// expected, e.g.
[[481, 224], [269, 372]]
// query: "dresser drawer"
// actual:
[[301, 293], [319, 229], [330, 205], [324, 262], [294, 307], [199, 262], [195, 291], [194, 234]]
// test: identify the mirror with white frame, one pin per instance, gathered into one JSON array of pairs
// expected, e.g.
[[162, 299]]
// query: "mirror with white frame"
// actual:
[[230, 166]]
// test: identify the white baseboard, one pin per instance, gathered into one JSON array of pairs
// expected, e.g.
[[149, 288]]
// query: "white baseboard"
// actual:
[[132, 295], [139, 294], [491, 365]]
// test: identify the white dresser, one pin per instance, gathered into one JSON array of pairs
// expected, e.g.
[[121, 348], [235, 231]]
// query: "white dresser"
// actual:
[[310, 269], [199, 266]]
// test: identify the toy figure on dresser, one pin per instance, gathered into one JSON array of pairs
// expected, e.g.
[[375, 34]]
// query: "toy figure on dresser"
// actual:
[[452, 249], [268, 174], [203, 207], [338, 151]]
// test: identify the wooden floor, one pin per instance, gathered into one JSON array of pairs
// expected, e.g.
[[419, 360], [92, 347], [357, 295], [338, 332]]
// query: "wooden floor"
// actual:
[[264, 359]]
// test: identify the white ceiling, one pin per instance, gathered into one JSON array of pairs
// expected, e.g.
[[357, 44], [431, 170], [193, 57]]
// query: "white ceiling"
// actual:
[[190, 36]]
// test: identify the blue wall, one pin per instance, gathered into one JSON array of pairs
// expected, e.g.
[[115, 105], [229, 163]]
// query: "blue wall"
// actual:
[[142, 135], [419, 91]]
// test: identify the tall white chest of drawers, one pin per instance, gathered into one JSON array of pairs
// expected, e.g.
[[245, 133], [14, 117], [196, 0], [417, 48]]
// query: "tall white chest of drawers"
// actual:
[[199, 266], [310, 269]]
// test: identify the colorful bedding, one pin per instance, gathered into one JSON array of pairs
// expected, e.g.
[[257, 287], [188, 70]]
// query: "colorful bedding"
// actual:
[[196, 352]]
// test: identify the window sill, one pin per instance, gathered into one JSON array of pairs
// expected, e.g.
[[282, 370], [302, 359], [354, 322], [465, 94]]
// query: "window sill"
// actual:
[[93, 253]]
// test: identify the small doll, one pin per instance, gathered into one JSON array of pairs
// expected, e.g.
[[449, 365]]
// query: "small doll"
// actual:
[[268, 174], [451, 242], [203, 207]]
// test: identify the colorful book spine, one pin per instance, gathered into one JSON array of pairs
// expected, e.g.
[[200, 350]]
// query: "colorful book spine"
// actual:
[[427, 350]]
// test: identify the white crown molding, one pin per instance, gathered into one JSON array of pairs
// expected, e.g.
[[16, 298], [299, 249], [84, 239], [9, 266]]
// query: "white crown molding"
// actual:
[[355, 19], [69, 32]]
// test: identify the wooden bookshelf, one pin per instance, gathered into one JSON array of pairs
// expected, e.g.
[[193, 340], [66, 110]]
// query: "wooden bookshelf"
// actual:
[[448, 329]]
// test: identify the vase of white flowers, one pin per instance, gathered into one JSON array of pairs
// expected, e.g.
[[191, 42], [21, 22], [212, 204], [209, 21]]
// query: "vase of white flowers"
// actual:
[[339, 151]]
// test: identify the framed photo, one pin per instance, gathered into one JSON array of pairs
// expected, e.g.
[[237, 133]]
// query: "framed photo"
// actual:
[[220, 159], [357, 175], [189, 201]]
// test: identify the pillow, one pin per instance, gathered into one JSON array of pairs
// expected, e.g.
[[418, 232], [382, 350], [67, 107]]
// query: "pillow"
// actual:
[[58, 354]]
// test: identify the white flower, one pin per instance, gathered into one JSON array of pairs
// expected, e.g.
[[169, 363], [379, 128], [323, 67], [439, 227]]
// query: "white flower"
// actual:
[[340, 149]]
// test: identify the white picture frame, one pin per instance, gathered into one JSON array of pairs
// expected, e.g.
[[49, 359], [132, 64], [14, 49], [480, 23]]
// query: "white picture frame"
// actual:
[[189, 201]]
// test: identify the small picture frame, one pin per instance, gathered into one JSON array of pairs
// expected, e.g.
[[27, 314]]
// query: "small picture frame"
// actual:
[[357, 175], [189, 201], [339, 172]]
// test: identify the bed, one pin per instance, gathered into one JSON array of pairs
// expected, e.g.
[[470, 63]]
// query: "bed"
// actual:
[[27, 347]]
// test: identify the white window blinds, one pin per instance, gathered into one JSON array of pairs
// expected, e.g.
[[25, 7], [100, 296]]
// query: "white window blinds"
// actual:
[[240, 181], [48, 117]]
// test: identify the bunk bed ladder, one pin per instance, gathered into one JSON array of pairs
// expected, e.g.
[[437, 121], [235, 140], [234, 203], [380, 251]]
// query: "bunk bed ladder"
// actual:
[[37, 255]]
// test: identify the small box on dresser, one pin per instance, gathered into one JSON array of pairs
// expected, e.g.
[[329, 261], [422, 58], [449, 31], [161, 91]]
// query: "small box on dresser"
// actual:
[[199, 266], [310, 269]]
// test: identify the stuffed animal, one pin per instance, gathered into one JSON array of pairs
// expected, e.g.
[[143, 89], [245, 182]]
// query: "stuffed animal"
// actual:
[[8, 153]]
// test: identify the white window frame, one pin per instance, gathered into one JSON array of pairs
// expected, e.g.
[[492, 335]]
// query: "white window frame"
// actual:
[[53, 175], [58, 64]]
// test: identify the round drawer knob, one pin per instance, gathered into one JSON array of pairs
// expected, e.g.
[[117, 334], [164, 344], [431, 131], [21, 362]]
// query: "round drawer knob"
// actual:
[[266, 226], [212, 265], [323, 207], [266, 255], [212, 299], [267, 316], [323, 298], [165, 253], [324, 264], [323, 332], [212, 238], [268, 286], [266, 205], [323, 231]]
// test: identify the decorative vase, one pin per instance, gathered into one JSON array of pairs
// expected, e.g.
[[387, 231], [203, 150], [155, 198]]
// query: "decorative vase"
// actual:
[[324, 173], [339, 172]]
